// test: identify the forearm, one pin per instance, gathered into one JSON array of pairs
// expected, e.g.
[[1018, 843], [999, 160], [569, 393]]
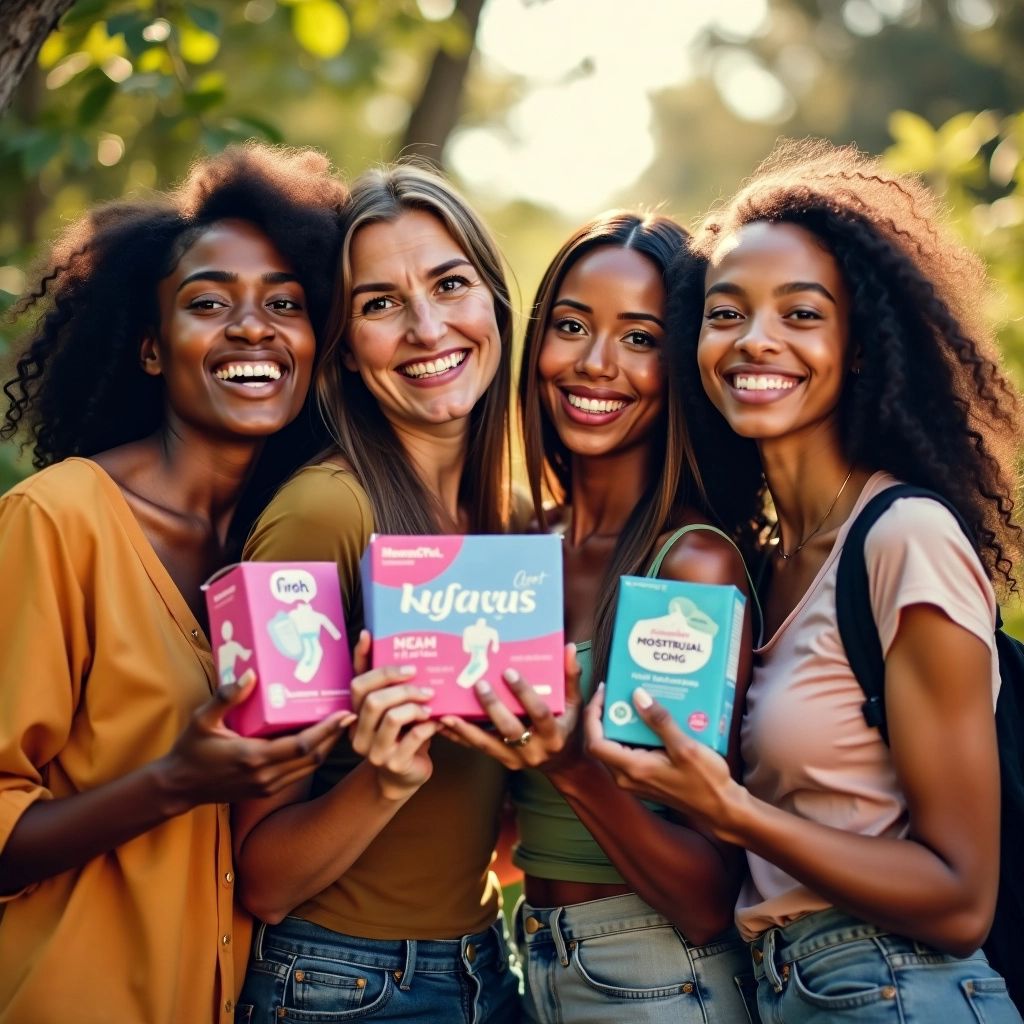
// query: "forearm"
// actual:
[[302, 848], [53, 836], [677, 870], [899, 884]]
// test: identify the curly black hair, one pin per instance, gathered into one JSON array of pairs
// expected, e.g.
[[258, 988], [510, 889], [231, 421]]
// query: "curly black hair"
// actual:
[[79, 387], [931, 405]]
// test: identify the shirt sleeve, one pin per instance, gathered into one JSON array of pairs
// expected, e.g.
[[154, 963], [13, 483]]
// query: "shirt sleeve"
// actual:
[[46, 653], [917, 554], [320, 515]]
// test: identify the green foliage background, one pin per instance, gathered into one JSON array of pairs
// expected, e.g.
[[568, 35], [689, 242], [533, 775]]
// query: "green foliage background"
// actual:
[[125, 94]]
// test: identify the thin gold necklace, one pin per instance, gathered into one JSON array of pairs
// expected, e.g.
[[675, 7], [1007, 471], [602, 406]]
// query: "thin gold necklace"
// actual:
[[824, 519]]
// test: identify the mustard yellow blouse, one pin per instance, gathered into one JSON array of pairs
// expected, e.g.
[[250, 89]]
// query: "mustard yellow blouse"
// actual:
[[102, 663]]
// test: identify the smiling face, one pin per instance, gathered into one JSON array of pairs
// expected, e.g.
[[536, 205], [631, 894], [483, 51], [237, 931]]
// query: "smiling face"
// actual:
[[774, 344], [600, 364], [235, 346], [422, 334]]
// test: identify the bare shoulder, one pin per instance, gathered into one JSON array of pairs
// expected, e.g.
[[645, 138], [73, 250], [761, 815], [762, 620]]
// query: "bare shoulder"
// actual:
[[703, 556]]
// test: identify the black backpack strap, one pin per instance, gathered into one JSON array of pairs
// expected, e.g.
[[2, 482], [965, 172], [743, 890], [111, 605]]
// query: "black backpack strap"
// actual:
[[854, 616]]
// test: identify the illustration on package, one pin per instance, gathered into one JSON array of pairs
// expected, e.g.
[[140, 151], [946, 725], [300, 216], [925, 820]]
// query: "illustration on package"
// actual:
[[681, 642], [462, 609], [284, 620]]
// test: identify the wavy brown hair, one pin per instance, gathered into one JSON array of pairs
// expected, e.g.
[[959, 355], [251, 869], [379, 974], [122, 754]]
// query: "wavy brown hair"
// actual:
[[931, 404], [361, 432]]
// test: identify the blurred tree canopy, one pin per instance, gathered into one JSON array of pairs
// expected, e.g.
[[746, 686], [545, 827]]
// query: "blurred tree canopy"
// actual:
[[126, 92]]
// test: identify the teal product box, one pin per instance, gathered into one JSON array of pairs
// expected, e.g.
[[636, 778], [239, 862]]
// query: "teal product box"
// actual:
[[681, 643]]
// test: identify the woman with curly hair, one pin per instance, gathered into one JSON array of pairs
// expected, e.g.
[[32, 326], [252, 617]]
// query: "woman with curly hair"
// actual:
[[612, 885], [839, 329], [373, 878], [177, 335]]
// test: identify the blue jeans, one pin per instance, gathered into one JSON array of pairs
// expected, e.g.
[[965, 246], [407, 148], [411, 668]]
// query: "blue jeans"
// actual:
[[616, 960], [299, 971], [830, 966]]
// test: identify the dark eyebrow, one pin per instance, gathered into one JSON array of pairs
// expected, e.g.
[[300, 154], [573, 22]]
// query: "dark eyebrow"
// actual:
[[573, 304], [723, 288], [727, 288], [805, 286], [387, 286], [227, 277], [649, 317]]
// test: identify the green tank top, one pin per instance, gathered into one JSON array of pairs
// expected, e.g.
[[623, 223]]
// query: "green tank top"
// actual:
[[553, 842]]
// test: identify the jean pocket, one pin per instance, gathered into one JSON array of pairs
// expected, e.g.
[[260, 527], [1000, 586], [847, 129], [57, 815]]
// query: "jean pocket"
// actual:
[[322, 989], [989, 1000], [844, 977], [647, 964], [243, 1013]]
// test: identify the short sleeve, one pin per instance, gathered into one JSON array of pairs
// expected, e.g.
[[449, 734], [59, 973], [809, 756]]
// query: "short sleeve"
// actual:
[[917, 554], [45, 652], [320, 515]]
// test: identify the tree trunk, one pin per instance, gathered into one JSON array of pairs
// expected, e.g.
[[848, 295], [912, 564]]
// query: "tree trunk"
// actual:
[[437, 111], [24, 26]]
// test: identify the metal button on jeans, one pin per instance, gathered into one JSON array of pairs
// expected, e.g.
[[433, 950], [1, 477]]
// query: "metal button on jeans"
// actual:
[[758, 956], [470, 952], [532, 925]]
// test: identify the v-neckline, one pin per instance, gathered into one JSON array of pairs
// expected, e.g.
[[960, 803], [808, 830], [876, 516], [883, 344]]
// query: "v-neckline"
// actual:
[[155, 569], [866, 492]]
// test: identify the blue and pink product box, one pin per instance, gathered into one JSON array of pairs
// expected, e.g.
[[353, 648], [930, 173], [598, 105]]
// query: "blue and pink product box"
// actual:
[[681, 643], [283, 620], [462, 609]]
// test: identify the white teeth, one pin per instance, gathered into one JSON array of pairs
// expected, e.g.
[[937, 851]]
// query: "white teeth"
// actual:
[[265, 371], [431, 367], [594, 404], [758, 382]]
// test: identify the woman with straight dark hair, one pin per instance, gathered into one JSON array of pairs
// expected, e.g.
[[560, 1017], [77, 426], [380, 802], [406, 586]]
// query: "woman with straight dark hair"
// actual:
[[374, 881], [628, 910], [177, 335], [839, 330]]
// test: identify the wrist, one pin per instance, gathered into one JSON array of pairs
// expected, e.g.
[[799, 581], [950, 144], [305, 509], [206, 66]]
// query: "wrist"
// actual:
[[568, 775], [733, 824], [170, 790], [391, 790]]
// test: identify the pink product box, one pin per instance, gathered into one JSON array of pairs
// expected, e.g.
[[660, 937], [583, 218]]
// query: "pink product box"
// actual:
[[284, 620], [462, 609]]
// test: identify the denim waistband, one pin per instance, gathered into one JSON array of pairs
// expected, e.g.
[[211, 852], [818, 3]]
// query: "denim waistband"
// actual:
[[611, 916], [773, 950], [470, 954]]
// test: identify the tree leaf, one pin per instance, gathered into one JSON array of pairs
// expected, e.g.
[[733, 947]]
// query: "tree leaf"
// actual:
[[205, 18], [321, 27], [197, 45], [37, 154], [94, 102]]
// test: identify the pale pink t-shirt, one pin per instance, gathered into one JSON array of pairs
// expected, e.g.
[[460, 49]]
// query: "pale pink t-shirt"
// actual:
[[804, 740]]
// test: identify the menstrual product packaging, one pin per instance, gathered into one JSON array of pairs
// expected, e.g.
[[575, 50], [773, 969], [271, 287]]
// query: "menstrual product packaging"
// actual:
[[681, 643], [284, 621], [463, 609]]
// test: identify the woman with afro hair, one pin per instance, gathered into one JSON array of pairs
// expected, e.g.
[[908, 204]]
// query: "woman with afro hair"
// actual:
[[840, 330], [176, 335]]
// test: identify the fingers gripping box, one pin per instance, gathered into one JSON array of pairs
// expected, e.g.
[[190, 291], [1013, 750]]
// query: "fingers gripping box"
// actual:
[[284, 621], [463, 609], [681, 643]]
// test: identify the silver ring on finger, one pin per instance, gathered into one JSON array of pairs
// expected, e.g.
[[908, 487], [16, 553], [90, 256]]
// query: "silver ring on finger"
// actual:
[[519, 741]]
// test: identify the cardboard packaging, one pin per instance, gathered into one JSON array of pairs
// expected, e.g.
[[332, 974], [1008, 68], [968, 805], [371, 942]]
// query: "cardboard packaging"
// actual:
[[284, 620], [466, 608], [681, 643]]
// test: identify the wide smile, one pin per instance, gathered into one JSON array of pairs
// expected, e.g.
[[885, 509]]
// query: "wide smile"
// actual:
[[593, 407], [757, 387], [440, 369], [257, 378]]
